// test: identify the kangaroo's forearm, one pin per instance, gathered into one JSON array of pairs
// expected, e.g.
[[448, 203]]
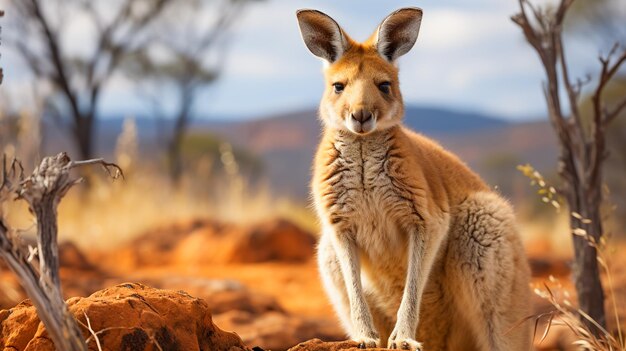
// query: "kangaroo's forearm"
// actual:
[[350, 267]]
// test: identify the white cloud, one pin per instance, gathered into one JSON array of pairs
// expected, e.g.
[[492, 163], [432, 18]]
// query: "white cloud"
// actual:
[[446, 28]]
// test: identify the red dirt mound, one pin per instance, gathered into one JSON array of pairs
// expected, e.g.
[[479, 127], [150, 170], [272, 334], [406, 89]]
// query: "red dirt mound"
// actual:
[[278, 331], [222, 295], [211, 242], [129, 317], [318, 345], [71, 257], [79, 276], [256, 317]]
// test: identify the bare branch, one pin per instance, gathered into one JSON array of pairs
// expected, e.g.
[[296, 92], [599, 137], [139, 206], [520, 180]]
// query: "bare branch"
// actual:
[[92, 332], [539, 17], [10, 174], [106, 165], [608, 71], [564, 5], [600, 117], [610, 116], [580, 83], [572, 92], [521, 19], [115, 49], [60, 77], [31, 59]]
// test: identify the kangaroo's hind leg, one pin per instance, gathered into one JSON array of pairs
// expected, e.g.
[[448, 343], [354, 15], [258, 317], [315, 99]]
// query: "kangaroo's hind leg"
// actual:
[[488, 275]]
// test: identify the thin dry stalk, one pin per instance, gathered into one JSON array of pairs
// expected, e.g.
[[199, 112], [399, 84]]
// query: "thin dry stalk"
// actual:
[[566, 314], [92, 332]]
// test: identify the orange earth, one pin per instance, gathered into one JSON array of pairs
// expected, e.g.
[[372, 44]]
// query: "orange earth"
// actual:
[[260, 281]]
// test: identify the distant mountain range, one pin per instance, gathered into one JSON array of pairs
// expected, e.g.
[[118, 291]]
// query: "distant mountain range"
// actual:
[[302, 128], [491, 145], [286, 142]]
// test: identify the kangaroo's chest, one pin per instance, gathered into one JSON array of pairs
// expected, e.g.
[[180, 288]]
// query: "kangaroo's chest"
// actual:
[[365, 194]]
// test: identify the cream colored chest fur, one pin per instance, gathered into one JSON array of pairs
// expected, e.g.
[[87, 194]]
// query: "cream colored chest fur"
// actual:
[[365, 196]]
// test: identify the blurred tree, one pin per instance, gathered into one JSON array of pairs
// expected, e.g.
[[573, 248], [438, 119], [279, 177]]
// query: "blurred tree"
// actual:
[[199, 145], [186, 57], [78, 72], [599, 20], [583, 147], [1, 71]]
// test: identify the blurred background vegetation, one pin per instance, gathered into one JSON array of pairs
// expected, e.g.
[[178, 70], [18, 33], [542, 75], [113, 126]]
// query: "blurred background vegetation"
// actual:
[[134, 81]]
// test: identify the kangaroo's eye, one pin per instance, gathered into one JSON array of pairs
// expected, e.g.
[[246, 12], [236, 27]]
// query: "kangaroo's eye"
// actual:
[[338, 87], [384, 87]]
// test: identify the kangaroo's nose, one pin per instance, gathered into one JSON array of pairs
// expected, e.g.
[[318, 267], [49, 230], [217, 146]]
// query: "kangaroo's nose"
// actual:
[[361, 115]]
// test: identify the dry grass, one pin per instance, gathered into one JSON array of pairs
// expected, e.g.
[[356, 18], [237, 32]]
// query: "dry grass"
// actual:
[[109, 213], [565, 313]]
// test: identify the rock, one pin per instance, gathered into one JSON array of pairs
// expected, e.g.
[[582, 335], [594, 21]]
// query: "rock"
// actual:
[[18, 326], [545, 266], [220, 295], [71, 257], [127, 317], [277, 240], [256, 317], [278, 331], [211, 242]]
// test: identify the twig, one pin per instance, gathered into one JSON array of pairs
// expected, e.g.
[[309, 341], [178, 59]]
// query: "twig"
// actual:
[[92, 332], [612, 115], [106, 165], [95, 334]]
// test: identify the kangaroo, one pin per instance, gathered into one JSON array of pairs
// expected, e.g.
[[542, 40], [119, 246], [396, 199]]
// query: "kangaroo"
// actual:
[[414, 245]]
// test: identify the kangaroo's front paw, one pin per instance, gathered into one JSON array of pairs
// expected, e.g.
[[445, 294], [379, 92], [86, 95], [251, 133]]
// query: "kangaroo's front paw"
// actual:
[[367, 342], [403, 343]]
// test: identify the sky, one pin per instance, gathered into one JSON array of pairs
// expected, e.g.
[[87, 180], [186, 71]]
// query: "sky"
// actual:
[[469, 56]]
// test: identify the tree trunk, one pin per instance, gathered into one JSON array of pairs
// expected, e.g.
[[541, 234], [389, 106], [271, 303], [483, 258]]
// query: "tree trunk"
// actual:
[[174, 155], [584, 196], [180, 128], [46, 213], [83, 134], [585, 271]]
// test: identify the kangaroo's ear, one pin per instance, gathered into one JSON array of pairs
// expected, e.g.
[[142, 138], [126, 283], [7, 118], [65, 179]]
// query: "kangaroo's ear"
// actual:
[[397, 34], [322, 35]]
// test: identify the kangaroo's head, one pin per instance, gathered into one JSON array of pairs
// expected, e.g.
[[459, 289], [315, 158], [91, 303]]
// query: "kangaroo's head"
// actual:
[[362, 91]]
